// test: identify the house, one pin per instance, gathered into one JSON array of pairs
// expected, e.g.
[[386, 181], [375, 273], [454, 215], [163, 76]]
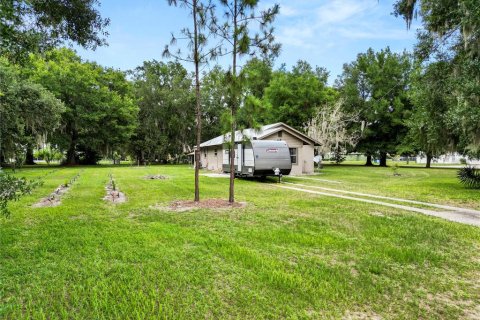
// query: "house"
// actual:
[[214, 153]]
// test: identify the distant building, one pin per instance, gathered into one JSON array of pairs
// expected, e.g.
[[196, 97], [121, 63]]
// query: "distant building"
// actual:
[[449, 158], [214, 153]]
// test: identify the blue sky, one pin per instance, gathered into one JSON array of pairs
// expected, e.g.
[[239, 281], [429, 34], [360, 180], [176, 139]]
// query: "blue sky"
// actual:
[[327, 33]]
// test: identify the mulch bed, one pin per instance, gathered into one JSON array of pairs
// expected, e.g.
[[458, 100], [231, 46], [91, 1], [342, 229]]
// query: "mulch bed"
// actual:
[[214, 204]]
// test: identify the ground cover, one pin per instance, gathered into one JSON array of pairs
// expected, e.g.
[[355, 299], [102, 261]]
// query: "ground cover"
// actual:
[[429, 185], [285, 255]]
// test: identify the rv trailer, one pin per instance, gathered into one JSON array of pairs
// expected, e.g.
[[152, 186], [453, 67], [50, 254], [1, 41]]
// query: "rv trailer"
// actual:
[[259, 158]]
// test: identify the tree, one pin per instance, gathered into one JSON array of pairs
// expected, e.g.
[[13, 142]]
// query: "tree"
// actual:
[[375, 87], [254, 112], [27, 111], [293, 97], [239, 17], [330, 128], [37, 25], [432, 96], [451, 32], [100, 111], [199, 55], [165, 96], [214, 94]]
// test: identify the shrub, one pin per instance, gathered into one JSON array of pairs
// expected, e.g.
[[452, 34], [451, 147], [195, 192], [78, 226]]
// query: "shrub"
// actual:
[[470, 177], [12, 188], [463, 161]]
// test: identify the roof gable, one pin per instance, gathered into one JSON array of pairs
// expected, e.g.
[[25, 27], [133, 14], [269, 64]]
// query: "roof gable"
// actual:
[[259, 134]]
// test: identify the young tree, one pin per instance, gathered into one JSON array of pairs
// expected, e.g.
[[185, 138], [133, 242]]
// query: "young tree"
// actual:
[[239, 17], [201, 14], [375, 87]]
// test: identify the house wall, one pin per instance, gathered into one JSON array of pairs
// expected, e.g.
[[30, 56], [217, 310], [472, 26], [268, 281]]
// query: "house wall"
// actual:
[[305, 152], [211, 161]]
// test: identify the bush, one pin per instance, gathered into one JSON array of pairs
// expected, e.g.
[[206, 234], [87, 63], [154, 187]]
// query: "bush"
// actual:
[[12, 188], [49, 155], [470, 177], [463, 161]]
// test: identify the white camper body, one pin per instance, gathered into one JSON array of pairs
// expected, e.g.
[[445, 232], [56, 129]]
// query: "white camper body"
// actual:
[[259, 158]]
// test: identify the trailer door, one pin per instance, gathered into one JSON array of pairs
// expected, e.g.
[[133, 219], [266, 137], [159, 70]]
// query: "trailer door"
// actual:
[[239, 158]]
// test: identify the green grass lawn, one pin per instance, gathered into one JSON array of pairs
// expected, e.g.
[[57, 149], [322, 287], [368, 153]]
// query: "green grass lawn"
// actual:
[[437, 185], [286, 255]]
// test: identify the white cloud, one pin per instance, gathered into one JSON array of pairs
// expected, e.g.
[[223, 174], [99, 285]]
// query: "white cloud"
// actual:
[[338, 11]]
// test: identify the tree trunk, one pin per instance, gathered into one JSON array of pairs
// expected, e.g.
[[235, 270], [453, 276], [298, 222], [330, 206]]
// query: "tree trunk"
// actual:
[[71, 156], [383, 159], [369, 160], [198, 110], [429, 160], [231, 197], [29, 156]]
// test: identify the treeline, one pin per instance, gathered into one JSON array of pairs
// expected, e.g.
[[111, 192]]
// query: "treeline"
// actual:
[[87, 112], [383, 104]]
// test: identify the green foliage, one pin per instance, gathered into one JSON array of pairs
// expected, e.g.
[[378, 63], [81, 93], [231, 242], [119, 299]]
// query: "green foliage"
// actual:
[[12, 188], [374, 86], [451, 33], [214, 94], [166, 117], [293, 97], [27, 111], [31, 25], [430, 126], [470, 177], [100, 113], [49, 154]]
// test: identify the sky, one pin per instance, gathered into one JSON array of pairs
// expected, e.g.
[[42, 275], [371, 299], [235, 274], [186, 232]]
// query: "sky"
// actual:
[[325, 33]]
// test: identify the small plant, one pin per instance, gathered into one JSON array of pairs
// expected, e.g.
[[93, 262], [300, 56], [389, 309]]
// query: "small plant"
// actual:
[[470, 177], [114, 187], [395, 170], [463, 161], [12, 188]]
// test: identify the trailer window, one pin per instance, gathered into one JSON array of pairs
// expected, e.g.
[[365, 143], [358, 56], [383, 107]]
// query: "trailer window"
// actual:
[[293, 155]]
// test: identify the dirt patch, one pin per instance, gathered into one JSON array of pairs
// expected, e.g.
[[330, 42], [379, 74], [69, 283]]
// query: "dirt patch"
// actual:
[[53, 199], [214, 204], [114, 195], [155, 177]]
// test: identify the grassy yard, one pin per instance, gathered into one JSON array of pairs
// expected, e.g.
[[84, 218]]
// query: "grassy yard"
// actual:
[[286, 255]]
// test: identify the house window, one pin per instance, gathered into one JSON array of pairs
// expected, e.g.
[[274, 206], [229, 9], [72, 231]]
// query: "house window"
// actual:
[[280, 134], [293, 155], [215, 152]]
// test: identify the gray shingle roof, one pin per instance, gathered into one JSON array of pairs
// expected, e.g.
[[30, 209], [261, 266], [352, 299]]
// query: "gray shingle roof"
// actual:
[[252, 133]]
